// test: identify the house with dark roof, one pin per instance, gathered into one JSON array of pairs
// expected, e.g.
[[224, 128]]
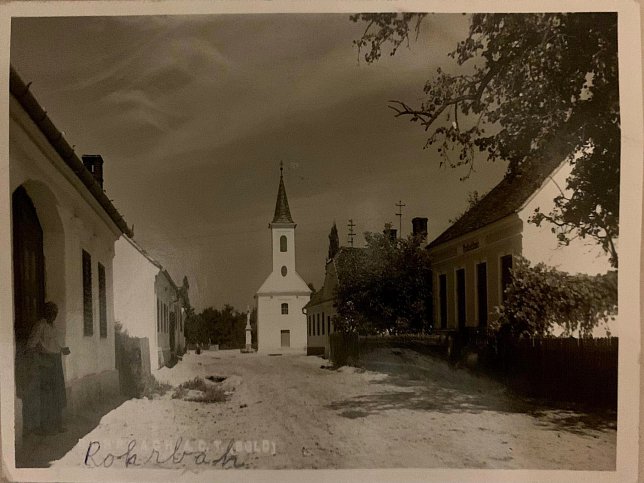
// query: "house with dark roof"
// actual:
[[281, 325], [63, 229], [148, 305], [472, 259], [320, 310]]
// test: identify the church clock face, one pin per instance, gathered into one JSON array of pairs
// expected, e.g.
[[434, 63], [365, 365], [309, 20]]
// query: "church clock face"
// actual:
[[284, 271]]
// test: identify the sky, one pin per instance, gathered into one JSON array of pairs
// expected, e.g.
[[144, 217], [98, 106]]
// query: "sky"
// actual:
[[193, 114]]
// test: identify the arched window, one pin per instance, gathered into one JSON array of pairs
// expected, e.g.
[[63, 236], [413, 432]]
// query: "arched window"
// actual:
[[283, 243], [284, 309]]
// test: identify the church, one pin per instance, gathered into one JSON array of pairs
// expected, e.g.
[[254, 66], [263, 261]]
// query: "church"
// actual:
[[281, 324]]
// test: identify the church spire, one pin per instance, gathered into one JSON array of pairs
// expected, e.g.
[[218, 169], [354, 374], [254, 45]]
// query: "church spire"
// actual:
[[282, 211]]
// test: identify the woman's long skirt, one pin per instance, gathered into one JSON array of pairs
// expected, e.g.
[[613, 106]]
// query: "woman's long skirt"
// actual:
[[52, 390]]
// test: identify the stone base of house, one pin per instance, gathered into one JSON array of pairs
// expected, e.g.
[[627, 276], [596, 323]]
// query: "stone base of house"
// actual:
[[91, 390], [83, 393]]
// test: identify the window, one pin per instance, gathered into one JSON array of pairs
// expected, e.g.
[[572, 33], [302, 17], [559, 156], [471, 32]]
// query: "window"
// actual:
[[88, 318], [506, 276], [322, 323], [318, 324], [308, 325], [284, 271], [158, 315], [442, 302], [328, 324], [284, 309], [102, 302], [481, 285], [460, 298], [283, 243]]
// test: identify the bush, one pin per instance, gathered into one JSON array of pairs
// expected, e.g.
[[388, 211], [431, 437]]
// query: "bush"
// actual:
[[210, 392], [541, 297]]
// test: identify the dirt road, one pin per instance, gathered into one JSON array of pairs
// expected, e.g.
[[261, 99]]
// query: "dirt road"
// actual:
[[286, 411]]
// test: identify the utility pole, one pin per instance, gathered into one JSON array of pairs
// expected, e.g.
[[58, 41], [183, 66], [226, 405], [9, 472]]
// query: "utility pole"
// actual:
[[400, 205], [351, 234]]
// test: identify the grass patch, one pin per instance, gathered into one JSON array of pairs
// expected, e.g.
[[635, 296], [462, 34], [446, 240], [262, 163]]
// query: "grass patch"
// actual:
[[150, 387], [209, 392]]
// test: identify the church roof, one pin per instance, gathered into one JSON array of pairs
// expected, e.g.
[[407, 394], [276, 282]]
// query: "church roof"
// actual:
[[282, 211]]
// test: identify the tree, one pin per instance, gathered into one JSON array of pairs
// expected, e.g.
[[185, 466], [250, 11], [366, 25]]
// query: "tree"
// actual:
[[473, 198], [532, 87], [539, 298], [385, 287], [334, 242]]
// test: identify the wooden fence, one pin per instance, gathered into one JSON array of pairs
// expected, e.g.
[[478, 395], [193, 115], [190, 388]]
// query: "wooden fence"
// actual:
[[556, 369], [565, 369]]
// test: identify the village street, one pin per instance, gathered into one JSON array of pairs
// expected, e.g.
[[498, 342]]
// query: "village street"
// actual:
[[409, 410]]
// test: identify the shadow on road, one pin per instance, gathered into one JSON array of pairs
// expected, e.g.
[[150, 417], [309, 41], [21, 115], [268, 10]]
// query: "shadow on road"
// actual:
[[425, 383], [39, 451]]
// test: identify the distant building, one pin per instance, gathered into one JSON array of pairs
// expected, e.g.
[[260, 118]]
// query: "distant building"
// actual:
[[63, 231], [147, 303], [471, 260], [321, 311], [281, 324]]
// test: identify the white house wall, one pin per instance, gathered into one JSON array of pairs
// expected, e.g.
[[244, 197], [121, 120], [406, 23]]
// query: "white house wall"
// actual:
[[271, 322], [541, 245], [134, 295], [71, 222]]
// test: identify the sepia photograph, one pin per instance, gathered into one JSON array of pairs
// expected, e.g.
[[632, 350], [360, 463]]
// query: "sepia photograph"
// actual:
[[401, 240]]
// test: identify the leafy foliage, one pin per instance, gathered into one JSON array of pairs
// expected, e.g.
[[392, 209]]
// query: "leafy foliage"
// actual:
[[532, 87], [385, 287], [540, 298], [473, 197], [225, 326]]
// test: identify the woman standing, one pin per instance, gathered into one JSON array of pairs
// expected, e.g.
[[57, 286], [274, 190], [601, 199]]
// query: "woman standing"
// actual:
[[50, 383]]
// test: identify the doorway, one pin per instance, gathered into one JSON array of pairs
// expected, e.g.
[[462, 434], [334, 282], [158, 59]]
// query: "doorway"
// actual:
[[286, 338], [29, 296]]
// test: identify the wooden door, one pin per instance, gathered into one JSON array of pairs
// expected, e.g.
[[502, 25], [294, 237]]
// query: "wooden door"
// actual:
[[286, 338], [28, 265]]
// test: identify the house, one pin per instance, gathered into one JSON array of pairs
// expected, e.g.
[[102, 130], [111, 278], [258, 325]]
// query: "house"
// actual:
[[147, 303], [63, 232], [320, 310], [472, 259], [281, 324]]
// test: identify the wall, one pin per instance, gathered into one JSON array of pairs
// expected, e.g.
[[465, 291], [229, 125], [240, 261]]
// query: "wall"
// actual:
[[134, 296], [317, 342], [271, 321], [541, 245], [492, 242], [167, 294]]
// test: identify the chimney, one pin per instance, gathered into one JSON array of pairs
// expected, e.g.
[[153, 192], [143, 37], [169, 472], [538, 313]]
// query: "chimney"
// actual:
[[390, 232], [94, 164], [419, 228]]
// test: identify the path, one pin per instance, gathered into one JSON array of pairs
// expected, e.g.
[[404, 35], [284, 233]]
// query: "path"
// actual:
[[407, 411]]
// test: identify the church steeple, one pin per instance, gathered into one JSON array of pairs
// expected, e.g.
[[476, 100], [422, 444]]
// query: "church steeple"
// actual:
[[282, 211]]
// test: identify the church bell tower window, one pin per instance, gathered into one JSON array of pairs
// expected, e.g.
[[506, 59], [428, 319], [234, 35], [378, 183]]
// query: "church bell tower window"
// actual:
[[284, 271], [283, 243]]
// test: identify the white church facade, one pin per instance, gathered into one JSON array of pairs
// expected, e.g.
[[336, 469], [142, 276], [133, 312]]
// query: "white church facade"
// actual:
[[281, 324]]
